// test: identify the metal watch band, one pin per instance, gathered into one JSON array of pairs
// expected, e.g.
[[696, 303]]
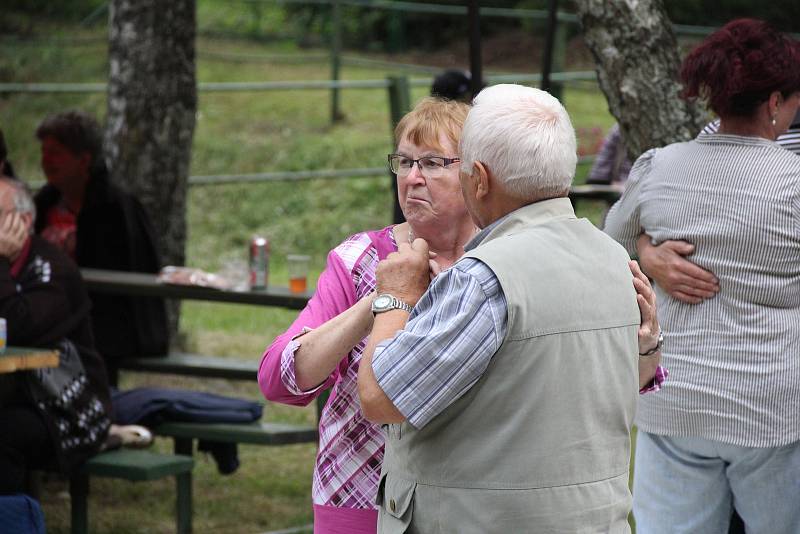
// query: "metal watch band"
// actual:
[[398, 304], [380, 304]]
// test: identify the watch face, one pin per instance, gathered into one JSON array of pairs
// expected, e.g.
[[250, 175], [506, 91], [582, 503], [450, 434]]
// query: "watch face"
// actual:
[[381, 302]]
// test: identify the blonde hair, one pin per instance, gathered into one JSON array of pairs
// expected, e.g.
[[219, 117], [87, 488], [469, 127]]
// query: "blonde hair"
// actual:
[[429, 119]]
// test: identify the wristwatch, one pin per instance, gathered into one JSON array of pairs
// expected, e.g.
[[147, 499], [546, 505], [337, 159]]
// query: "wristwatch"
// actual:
[[385, 302], [657, 347]]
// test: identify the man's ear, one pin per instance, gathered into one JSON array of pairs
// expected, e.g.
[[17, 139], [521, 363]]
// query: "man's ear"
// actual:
[[27, 218], [481, 175]]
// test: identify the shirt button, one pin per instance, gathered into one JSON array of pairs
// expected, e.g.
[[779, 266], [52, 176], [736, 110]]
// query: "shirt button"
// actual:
[[392, 505]]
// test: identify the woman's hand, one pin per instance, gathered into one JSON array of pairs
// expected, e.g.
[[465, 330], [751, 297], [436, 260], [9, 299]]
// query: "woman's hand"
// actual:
[[649, 329], [679, 277], [646, 299]]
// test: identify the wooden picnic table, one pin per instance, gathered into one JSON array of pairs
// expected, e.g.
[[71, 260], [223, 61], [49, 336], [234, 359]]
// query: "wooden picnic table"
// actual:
[[148, 285], [24, 358]]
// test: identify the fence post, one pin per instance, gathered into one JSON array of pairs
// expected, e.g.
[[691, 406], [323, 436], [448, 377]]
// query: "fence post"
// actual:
[[336, 59], [559, 55], [399, 105]]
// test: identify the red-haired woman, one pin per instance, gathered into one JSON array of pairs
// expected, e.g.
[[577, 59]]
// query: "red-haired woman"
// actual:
[[725, 430]]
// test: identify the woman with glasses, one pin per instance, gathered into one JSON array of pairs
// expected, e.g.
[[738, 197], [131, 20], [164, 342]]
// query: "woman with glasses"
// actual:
[[321, 350]]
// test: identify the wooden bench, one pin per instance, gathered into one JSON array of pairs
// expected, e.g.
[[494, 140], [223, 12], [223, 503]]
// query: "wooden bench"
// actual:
[[179, 363], [133, 465]]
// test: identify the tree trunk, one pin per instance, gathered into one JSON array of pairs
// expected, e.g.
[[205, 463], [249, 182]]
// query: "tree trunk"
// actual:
[[152, 100], [637, 61]]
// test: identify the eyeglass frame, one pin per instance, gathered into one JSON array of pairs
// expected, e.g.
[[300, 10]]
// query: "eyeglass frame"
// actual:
[[446, 162]]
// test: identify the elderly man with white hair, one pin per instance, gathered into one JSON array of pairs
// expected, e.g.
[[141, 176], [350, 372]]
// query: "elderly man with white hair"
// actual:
[[508, 384]]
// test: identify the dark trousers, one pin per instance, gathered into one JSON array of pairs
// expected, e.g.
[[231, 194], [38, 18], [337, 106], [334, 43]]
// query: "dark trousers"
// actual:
[[24, 444]]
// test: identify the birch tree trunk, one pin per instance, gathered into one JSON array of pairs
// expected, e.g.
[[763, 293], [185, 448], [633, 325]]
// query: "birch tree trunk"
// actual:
[[637, 61], [152, 101]]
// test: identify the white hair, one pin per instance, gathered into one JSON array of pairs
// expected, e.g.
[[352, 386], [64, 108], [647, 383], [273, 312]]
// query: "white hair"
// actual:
[[524, 137], [23, 200]]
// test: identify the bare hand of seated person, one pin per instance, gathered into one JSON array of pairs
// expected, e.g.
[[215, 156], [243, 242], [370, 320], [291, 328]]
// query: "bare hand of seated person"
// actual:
[[683, 280], [13, 234]]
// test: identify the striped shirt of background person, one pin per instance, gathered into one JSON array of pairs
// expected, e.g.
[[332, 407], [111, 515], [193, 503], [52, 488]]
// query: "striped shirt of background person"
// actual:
[[734, 359]]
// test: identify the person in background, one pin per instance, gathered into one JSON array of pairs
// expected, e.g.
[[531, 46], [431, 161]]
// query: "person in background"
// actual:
[[53, 419], [452, 85], [726, 432], [99, 226], [612, 165], [509, 382], [6, 169], [322, 349]]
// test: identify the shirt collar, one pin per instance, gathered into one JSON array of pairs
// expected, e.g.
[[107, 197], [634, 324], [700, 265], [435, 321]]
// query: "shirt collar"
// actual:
[[536, 213], [480, 236]]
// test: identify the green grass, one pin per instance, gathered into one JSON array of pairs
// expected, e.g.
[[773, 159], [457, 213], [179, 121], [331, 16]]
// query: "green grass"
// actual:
[[238, 133]]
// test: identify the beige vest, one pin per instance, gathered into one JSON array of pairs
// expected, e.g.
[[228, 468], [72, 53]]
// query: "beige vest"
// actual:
[[541, 443]]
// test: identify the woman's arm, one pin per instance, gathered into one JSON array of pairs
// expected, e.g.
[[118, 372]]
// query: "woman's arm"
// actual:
[[679, 277], [321, 349], [279, 376]]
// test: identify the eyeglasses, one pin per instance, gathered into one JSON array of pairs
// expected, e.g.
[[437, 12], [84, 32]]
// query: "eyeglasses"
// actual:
[[429, 166]]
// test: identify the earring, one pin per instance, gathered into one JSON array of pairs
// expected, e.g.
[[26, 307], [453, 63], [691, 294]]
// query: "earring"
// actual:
[[774, 121]]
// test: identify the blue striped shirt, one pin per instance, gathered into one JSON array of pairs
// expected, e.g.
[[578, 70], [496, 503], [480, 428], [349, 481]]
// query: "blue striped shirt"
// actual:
[[452, 334]]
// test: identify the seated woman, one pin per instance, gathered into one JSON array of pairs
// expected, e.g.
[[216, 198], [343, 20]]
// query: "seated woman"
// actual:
[[323, 347], [722, 434]]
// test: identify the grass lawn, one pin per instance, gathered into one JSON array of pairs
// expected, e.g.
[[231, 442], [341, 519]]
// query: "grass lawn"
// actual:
[[238, 133]]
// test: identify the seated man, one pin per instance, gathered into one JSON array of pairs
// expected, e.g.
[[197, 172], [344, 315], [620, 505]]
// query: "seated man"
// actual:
[[102, 227], [58, 418]]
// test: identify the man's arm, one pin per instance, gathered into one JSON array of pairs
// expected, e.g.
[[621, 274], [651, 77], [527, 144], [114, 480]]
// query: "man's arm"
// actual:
[[679, 277], [447, 345], [405, 274], [375, 404]]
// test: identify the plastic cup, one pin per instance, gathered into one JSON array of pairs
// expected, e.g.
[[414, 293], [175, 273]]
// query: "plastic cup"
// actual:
[[297, 265], [3, 335]]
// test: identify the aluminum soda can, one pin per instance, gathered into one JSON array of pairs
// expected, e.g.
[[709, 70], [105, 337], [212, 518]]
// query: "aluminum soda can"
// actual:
[[259, 262]]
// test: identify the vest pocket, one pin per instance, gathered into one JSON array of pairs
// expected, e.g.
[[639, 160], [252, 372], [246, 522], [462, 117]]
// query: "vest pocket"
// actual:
[[396, 502]]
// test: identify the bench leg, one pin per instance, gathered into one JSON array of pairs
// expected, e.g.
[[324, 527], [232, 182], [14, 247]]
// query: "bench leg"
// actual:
[[183, 502], [183, 446], [79, 503]]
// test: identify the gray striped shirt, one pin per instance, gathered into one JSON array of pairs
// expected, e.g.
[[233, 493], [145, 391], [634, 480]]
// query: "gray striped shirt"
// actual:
[[734, 360]]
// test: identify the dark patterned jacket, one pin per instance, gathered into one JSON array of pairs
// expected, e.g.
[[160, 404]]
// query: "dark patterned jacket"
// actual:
[[45, 305]]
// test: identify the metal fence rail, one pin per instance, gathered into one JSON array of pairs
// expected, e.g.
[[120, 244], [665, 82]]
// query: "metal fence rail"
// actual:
[[290, 85]]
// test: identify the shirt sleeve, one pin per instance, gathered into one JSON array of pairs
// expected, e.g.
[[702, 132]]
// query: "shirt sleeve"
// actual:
[[276, 375], [657, 381], [601, 171], [452, 334], [622, 221]]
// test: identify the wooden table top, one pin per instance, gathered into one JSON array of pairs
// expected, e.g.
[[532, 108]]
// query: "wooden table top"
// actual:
[[24, 358], [144, 284]]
